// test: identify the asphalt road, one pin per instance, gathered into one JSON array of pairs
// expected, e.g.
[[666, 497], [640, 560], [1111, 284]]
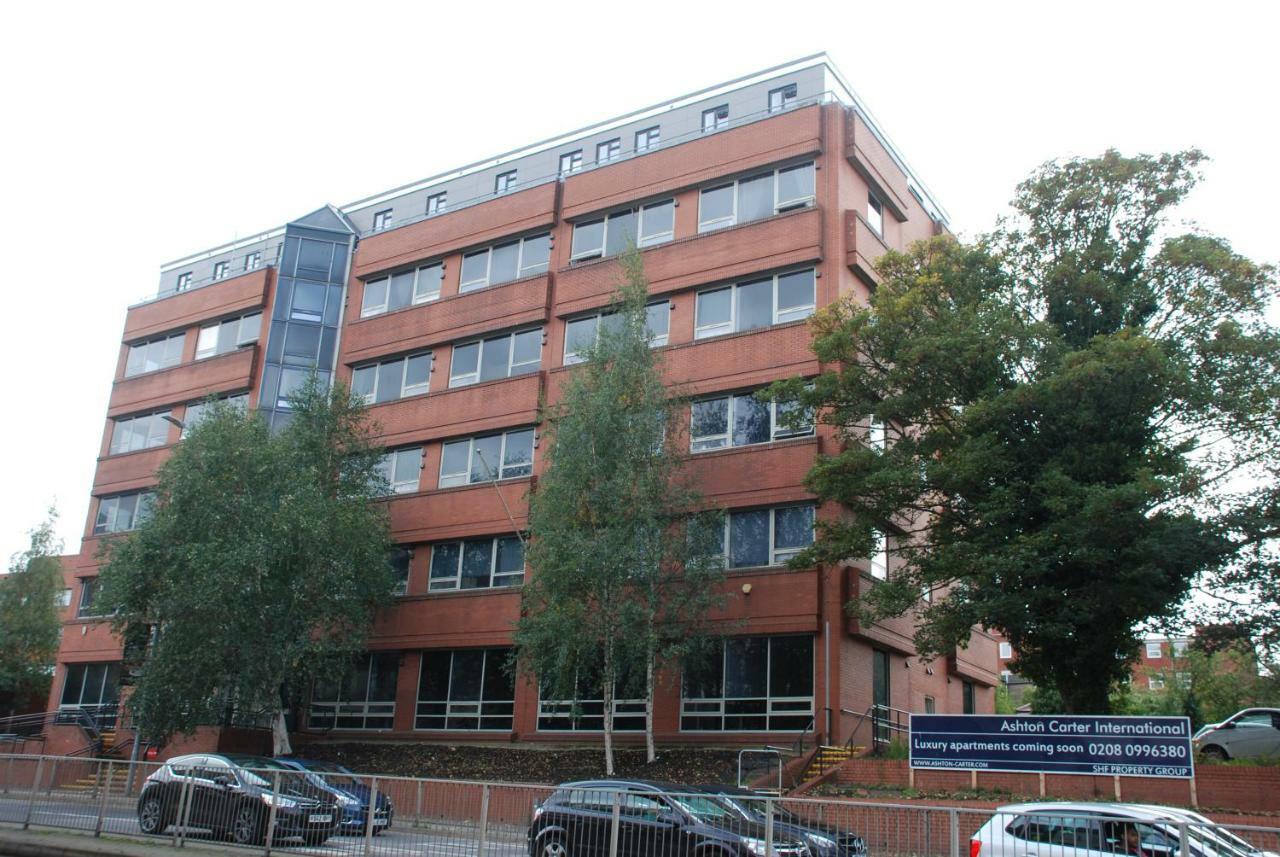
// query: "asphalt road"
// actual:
[[80, 812]]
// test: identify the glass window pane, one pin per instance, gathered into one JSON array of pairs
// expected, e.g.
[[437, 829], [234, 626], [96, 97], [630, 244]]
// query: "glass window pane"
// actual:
[[588, 239], [715, 208], [750, 421], [444, 561], [715, 310], [657, 322], [407, 466], [417, 374], [476, 559], [375, 297], [510, 555], [468, 666], [517, 456], [498, 683], [755, 198], [291, 380], [793, 527], [475, 270], [535, 254], [301, 344], [401, 290], [755, 304], [710, 423], [308, 299], [427, 286], [486, 458], [389, 376], [746, 667], [494, 358], [795, 184], [791, 666], [465, 361], [657, 222], [250, 328], [455, 461], [506, 258], [527, 352], [795, 295], [621, 233], [172, 349], [579, 335], [207, 343], [362, 381], [434, 683], [314, 258], [749, 538]]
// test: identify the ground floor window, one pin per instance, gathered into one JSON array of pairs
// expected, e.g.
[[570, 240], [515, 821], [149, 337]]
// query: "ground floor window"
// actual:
[[365, 698], [465, 689], [970, 707], [93, 687], [585, 712], [751, 684]]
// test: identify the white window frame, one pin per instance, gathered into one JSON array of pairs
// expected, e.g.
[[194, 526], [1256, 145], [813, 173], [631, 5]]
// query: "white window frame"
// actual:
[[163, 346], [406, 390], [878, 562], [718, 121], [1006, 651], [109, 526], [191, 420], [387, 463], [207, 341], [154, 420], [779, 205], [437, 203], [383, 285], [220, 270], [570, 162], [458, 380], [1154, 650], [183, 282], [459, 479], [466, 708], [656, 340], [1155, 682], [609, 151], [723, 328], [790, 707], [506, 578], [648, 139], [253, 261], [522, 270], [875, 214], [774, 550], [504, 182], [776, 430], [382, 220], [642, 240], [1179, 648], [788, 95]]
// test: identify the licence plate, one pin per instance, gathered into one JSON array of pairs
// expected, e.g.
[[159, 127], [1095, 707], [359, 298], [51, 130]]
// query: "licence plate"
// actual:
[[379, 822], [319, 818]]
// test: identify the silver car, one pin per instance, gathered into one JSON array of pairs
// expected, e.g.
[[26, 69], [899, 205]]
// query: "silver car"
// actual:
[[1246, 734]]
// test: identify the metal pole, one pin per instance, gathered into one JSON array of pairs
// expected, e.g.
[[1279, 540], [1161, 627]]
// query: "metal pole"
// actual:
[[369, 814], [35, 787], [614, 824], [133, 762], [417, 812], [271, 813], [102, 798], [8, 775], [768, 827], [183, 793], [482, 832], [953, 819], [53, 776], [826, 674]]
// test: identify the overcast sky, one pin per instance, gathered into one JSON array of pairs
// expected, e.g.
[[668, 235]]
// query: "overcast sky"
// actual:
[[138, 133]]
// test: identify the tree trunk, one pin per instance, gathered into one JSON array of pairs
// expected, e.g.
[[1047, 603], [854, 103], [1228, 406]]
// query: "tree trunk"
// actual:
[[280, 745], [607, 679], [651, 754]]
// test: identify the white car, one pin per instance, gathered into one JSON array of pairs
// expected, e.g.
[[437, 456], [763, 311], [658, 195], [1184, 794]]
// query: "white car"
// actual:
[[1104, 830], [1248, 734]]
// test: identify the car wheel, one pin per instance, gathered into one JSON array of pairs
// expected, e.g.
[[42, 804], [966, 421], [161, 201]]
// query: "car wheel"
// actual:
[[151, 816], [246, 828], [553, 847], [1215, 753]]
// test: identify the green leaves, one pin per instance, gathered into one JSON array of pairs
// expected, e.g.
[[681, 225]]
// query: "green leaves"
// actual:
[[29, 621]]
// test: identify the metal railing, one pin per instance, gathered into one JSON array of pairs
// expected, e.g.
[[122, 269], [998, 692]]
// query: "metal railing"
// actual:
[[268, 808], [886, 723]]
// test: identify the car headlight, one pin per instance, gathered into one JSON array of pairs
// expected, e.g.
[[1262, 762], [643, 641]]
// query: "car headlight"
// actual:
[[820, 842], [755, 846], [279, 801], [347, 802]]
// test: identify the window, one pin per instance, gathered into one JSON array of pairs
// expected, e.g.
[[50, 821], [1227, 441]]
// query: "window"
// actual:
[[582, 333], [755, 197], [365, 698], [740, 420], [196, 410], [183, 282], [967, 697], [875, 215], [122, 512], [505, 262], [607, 236], [401, 469], [585, 711], [609, 150], [648, 138], [415, 286], [155, 354], [88, 593], [755, 303], [437, 203], [876, 436], [465, 689], [715, 118], [570, 162], [382, 220], [1006, 651], [64, 598], [220, 270], [763, 537], [878, 563], [252, 261], [144, 432], [1153, 650], [399, 560], [504, 182], [930, 707], [1180, 648], [1155, 682], [90, 686], [485, 459], [1183, 679], [782, 97], [753, 684], [496, 357], [392, 379], [477, 564], [228, 335]]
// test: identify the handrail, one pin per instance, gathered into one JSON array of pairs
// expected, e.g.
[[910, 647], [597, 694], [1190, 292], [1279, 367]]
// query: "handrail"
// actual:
[[881, 722]]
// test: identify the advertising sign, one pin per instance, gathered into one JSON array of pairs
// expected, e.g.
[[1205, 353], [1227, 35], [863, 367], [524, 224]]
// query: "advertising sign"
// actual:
[[1054, 744]]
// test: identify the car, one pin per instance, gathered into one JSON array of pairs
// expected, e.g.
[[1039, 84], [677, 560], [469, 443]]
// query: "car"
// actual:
[[1104, 830], [352, 796], [1247, 734], [823, 840], [232, 796], [656, 819]]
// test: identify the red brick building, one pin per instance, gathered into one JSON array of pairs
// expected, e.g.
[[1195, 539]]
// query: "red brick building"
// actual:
[[456, 303]]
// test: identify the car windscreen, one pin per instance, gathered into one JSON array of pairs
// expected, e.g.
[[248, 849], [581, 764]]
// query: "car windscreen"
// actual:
[[334, 775], [706, 809]]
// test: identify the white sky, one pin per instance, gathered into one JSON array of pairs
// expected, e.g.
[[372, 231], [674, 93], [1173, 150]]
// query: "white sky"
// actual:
[[135, 133]]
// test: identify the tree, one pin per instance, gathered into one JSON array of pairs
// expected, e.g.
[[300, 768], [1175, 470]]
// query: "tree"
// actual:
[[1071, 406], [29, 621], [622, 574], [260, 568]]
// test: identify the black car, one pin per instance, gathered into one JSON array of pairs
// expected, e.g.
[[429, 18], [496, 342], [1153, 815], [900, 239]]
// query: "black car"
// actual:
[[823, 840], [232, 796], [654, 820]]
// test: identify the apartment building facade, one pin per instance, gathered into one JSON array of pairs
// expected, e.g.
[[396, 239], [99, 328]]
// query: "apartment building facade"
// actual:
[[456, 304]]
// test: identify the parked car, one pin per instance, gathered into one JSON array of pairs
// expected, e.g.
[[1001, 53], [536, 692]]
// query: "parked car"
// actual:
[[351, 795], [1104, 830], [1246, 734], [824, 840], [232, 796], [655, 820]]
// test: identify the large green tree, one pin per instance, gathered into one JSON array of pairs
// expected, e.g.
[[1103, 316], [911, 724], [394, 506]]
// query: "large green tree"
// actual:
[[29, 620], [622, 575], [1081, 411], [260, 567]]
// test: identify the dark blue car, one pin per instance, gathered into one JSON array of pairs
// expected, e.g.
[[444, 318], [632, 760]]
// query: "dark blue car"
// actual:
[[351, 794]]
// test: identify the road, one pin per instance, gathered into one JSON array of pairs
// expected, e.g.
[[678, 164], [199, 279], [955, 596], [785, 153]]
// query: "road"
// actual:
[[63, 811]]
